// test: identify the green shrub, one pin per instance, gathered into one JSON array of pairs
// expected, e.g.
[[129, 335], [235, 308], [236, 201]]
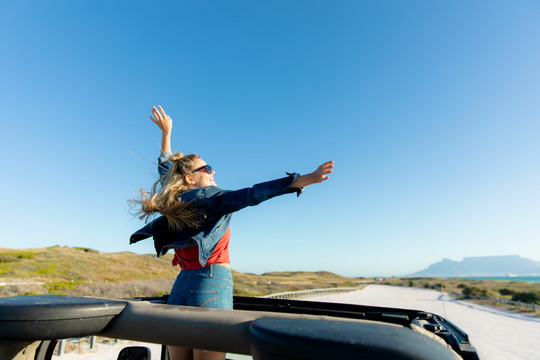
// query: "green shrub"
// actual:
[[245, 292], [46, 270], [11, 256], [437, 287], [61, 287], [86, 250], [527, 297], [506, 292], [474, 291]]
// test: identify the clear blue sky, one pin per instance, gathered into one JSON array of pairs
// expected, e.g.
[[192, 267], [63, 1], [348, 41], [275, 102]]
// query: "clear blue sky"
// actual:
[[430, 110]]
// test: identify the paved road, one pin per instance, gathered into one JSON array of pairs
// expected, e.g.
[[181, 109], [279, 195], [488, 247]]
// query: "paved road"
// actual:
[[497, 334]]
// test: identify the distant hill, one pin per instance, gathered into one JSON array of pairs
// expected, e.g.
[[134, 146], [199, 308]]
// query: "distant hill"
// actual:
[[483, 266]]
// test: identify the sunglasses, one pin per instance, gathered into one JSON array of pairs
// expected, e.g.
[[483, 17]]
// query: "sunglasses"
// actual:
[[206, 168]]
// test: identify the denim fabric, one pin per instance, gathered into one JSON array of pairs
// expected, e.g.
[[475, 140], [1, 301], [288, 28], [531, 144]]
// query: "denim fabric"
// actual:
[[209, 287], [215, 207]]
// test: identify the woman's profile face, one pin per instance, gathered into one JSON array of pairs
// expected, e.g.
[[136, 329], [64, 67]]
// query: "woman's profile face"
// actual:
[[202, 177]]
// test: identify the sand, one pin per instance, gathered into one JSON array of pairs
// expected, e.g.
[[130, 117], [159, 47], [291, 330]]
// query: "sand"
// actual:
[[106, 351], [497, 334]]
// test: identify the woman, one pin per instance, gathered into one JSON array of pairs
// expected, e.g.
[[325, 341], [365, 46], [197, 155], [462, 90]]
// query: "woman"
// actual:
[[195, 223]]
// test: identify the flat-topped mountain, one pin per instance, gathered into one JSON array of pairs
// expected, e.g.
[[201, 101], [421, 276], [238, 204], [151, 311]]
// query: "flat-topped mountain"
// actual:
[[483, 266]]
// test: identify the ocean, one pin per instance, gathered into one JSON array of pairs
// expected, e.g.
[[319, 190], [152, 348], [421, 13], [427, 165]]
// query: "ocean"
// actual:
[[531, 279]]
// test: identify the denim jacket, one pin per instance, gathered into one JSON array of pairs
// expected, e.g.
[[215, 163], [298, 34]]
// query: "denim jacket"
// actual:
[[215, 207]]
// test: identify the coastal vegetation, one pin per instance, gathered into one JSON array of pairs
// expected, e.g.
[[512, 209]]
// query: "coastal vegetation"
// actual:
[[88, 272]]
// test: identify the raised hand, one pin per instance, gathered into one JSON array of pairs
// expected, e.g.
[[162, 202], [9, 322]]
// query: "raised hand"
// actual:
[[161, 119], [164, 122]]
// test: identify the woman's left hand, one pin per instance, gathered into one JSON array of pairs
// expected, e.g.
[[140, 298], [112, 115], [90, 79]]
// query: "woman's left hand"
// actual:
[[318, 176], [322, 172]]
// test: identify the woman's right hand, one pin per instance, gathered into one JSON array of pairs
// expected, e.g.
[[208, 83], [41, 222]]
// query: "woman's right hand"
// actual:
[[161, 119], [164, 122]]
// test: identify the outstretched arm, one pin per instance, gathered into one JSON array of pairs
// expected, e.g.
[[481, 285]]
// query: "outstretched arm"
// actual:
[[318, 176], [218, 202], [164, 122]]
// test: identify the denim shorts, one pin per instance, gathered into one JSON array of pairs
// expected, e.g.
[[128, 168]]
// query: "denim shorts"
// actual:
[[209, 287]]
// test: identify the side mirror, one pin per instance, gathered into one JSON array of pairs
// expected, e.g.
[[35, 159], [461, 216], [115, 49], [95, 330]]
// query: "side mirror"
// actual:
[[135, 353]]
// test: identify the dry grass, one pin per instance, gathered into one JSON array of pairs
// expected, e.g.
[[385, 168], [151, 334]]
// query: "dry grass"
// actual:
[[87, 272]]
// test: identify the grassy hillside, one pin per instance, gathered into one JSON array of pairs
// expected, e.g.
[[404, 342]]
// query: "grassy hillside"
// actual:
[[82, 264], [274, 282], [83, 271]]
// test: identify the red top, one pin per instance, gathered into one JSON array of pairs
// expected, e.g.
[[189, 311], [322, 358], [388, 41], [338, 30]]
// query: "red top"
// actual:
[[188, 258]]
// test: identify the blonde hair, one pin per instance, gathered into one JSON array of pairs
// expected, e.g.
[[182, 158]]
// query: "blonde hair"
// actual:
[[166, 201]]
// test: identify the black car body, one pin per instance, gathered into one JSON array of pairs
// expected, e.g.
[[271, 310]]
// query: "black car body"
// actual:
[[30, 326]]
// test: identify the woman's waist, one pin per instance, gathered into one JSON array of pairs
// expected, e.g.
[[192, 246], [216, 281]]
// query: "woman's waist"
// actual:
[[198, 266], [214, 271]]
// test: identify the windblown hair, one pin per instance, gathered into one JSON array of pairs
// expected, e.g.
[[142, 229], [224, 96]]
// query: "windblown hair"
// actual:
[[166, 200]]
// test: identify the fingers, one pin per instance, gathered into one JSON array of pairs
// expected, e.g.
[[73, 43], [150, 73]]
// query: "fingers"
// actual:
[[157, 118], [160, 118], [162, 112], [156, 113], [324, 170], [327, 167], [159, 114]]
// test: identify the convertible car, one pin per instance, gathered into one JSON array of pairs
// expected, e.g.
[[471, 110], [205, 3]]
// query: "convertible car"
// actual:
[[30, 327]]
